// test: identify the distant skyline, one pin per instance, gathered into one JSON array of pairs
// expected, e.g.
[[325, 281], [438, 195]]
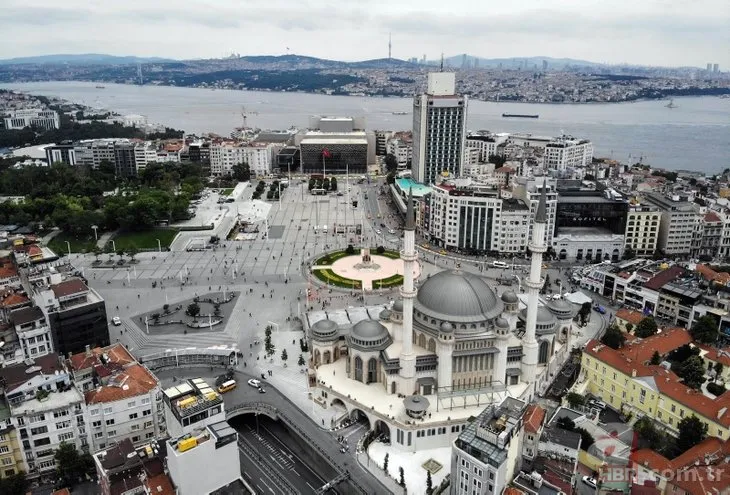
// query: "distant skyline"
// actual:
[[650, 32]]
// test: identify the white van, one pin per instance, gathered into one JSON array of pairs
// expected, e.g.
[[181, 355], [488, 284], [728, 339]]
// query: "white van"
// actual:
[[324, 229], [499, 264]]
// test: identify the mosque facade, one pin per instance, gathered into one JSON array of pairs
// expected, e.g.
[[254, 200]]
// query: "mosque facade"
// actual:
[[418, 369]]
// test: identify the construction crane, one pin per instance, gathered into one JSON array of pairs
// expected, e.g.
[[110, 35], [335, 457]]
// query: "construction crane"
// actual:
[[244, 116]]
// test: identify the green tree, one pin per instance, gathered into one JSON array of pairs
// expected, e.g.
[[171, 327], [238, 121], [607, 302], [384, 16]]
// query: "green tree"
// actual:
[[97, 252], [584, 312], [614, 337], [498, 160], [241, 172], [575, 400], [284, 355], [333, 183], [655, 358], [391, 163], [193, 310], [629, 327], [586, 439], [692, 371], [646, 327], [648, 433], [402, 481], [350, 250], [301, 361], [718, 369], [429, 483], [15, 484], [691, 432], [546, 284], [385, 462], [566, 423], [705, 330], [629, 253], [132, 251], [72, 467]]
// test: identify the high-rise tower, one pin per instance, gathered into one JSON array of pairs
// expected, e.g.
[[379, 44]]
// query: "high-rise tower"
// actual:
[[408, 293], [439, 129], [390, 46], [534, 284]]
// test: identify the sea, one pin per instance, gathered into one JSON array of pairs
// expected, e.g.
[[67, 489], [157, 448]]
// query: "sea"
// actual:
[[694, 135]]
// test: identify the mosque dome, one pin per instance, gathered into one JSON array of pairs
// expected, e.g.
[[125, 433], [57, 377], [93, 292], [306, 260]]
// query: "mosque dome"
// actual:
[[398, 306], [458, 296], [509, 297], [325, 330], [369, 335], [562, 309], [446, 327], [501, 323]]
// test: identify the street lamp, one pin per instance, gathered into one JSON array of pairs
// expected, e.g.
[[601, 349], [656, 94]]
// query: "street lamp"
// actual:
[[159, 246], [96, 234], [68, 245], [114, 245]]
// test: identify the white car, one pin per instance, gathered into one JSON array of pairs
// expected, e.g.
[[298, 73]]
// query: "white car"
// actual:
[[391, 231], [378, 231], [254, 383], [116, 321], [589, 481]]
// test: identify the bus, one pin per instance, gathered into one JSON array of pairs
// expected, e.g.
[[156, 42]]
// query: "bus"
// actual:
[[227, 386]]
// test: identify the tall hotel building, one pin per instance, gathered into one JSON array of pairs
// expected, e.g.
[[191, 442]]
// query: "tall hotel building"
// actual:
[[439, 129]]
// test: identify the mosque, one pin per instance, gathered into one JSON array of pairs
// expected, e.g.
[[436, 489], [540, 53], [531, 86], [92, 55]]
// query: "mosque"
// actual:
[[418, 369]]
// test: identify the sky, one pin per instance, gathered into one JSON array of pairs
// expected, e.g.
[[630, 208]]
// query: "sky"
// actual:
[[645, 32]]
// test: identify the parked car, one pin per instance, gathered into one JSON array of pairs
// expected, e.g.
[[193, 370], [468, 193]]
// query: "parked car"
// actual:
[[600, 309], [499, 264], [116, 321], [589, 481], [254, 383]]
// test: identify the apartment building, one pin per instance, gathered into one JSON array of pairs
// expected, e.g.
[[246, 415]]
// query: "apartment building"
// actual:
[[46, 410], [565, 152], [75, 312], [484, 456], [624, 380], [678, 226], [33, 331], [529, 190], [211, 449], [125, 469], [11, 451], [32, 117], [191, 405], [642, 229], [464, 217], [439, 129], [487, 144], [712, 225], [533, 426], [122, 397], [224, 156], [515, 228], [402, 150]]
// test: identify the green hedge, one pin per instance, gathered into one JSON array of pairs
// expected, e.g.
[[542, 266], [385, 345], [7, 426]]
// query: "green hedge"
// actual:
[[391, 281], [328, 259], [331, 278]]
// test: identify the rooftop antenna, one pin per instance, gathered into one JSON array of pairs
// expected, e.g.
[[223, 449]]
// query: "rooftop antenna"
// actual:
[[389, 45], [139, 73], [442, 62]]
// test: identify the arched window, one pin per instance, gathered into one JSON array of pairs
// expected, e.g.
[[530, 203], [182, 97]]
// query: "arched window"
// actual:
[[316, 357], [358, 369], [544, 349], [372, 370], [422, 341], [431, 345]]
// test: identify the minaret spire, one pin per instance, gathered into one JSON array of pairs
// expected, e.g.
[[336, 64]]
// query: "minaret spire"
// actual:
[[534, 284], [409, 256]]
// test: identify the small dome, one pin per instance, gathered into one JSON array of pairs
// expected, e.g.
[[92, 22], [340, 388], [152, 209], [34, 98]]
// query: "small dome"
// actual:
[[384, 315], [369, 330], [398, 306], [447, 327], [325, 330], [509, 297], [501, 323], [562, 309]]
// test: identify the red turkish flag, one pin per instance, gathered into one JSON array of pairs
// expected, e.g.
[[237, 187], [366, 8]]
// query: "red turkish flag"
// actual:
[[326, 153]]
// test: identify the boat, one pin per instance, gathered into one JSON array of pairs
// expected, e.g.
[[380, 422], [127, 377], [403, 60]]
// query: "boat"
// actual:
[[522, 115], [99, 86], [400, 113], [671, 104]]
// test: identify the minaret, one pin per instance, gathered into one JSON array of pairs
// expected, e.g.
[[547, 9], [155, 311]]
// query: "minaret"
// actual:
[[408, 293], [534, 284]]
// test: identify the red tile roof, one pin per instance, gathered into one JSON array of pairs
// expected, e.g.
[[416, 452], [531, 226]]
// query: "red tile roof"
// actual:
[[13, 300], [630, 316], [651, 460], [664, 277], [710, 274], [701, 480], [711, 216], [716, 355], [116, 353], [160, 485], [69, 287], [506, 170], [533, 418], [7, 268], [134, 380], [631, 360], [62, 491]]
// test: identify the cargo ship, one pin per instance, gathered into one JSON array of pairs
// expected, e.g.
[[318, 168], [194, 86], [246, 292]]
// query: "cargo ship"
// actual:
[[522, 115]]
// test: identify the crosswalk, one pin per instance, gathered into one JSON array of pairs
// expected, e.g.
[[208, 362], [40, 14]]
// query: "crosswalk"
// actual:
[[276, 454]]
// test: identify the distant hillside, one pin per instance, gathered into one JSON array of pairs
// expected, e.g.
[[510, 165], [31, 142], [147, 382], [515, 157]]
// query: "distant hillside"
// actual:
[[83, 59]]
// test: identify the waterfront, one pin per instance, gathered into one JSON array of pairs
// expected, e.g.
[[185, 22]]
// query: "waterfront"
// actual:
[[693, 136]]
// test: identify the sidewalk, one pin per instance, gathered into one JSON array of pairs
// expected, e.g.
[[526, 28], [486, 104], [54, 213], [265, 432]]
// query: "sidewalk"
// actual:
[[46, 238], [104, 239]]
